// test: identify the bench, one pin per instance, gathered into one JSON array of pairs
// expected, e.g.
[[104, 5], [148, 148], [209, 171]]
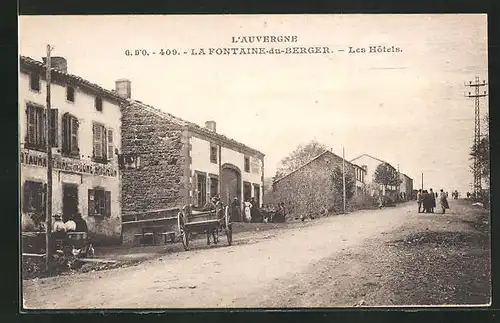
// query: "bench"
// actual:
[[150, 233]]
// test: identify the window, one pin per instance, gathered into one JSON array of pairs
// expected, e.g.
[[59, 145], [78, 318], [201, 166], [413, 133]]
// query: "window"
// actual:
[[99, 203], [70, 126], [103, 143], [35, 136], [247, 164], [214, 186], [33, 197], [98, 103], [213, 154], [35, 82], [70, 93]]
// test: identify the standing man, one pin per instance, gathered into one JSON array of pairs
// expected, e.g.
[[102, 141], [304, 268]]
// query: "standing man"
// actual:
[[419, 200], [433, 200]]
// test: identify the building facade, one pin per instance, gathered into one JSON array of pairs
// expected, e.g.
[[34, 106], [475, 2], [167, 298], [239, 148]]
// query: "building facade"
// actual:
[[370, 164], [360, 174], [85, 137], [170, 162], [406, 186], [310, 188]]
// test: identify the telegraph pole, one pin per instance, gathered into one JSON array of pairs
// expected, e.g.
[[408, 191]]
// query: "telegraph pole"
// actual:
[[477, 130], [399, 185], [343, 177], [48, 199], [422, 181]]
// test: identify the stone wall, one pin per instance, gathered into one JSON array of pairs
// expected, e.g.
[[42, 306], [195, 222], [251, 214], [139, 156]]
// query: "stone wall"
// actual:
[[310, 189], [159, 182]]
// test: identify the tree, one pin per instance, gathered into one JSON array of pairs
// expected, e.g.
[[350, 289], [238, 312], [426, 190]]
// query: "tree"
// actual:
[[301, 155], [386, 175], [482, 151], [337, 180]]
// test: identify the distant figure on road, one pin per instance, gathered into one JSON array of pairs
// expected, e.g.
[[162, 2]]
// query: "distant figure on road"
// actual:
[[420, 199], [443, 201], [426, 201], [433, 200]]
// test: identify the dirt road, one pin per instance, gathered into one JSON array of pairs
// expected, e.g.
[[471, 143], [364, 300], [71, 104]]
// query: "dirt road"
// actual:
[[325, 262]]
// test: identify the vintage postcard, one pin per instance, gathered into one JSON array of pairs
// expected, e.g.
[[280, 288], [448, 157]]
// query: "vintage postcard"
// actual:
[[254, 161]]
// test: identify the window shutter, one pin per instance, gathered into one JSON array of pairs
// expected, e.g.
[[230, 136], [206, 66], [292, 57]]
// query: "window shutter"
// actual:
[[30, 131], [64, 131], [110, 144], [107, 203], [97, 142], [74, 135], [54, 142], [91, 203]]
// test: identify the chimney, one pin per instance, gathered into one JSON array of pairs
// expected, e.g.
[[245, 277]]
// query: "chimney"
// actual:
[[57, 62], [123, 87], [211, 125]]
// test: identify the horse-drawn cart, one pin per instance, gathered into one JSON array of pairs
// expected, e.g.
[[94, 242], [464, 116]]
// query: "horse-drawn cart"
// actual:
[[209, 222]]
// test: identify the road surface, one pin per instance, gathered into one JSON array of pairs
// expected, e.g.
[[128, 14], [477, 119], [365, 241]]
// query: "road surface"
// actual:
[[324, 262]]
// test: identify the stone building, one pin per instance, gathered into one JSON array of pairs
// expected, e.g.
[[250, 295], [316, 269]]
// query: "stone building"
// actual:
[[310, 188], [85, 136], [170, 162]]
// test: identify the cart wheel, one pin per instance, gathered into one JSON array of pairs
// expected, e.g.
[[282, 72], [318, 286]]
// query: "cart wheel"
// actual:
[[182, 231], [229, 229]]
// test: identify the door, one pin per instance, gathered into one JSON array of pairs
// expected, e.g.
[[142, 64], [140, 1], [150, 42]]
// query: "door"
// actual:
[[202, 189], [247, 191], [256, 194], [70, 201], [230, 185]]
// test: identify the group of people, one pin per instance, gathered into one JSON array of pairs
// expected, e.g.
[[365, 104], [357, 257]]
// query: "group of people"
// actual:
[[274, 213], [427, 201], [74, 223]]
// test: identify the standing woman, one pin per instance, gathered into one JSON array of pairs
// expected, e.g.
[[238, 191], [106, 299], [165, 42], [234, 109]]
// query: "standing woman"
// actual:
[[443, 201], [247, 206]]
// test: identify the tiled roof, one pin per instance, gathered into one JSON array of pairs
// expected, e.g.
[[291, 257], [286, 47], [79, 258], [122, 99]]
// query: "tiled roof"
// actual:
[[30, 62], [304, 165], [193, 126], [380, 160]]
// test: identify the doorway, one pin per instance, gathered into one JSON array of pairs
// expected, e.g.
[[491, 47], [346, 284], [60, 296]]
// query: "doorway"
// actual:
[[69, 201], [256, 194], [201, 181]]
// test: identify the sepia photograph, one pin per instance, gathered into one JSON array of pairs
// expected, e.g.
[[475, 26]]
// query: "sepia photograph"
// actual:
[[254, 161]]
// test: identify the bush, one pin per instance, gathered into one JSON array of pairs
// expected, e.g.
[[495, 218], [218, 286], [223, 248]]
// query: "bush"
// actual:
[[363, 201]]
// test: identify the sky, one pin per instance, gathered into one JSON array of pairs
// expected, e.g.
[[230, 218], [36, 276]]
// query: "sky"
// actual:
[[407, 108]]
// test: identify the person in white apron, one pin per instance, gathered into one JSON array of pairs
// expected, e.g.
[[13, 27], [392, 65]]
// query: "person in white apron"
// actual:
[[248, 215]]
